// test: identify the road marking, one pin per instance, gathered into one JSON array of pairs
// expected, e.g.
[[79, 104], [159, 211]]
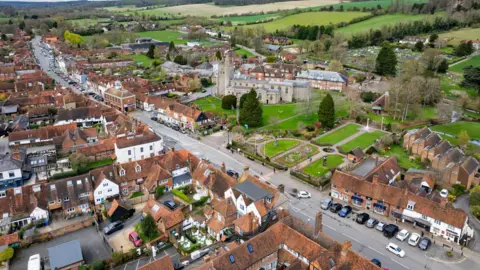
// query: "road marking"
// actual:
[[137, 264], [351, 238], [400, 264], [376, 251], [331, 228]]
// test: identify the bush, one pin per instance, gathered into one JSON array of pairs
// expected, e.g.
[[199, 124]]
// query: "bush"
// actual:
[[369, 96], [181, 195], [228, 102], [449, 253], [310, 128], [98, 265], [458, 189], [159, 191], [475, 196], [475, 209], [6, 254], [200, 202]]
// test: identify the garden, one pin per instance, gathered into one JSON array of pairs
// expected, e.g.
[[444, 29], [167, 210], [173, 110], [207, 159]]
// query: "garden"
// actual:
[[403, 157], [300, 154], [194, 239], [321, 166], [363, 141], [338, 135], [277, 147]]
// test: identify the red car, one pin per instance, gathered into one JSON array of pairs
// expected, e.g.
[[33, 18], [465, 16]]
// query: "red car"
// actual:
[[135, 239]]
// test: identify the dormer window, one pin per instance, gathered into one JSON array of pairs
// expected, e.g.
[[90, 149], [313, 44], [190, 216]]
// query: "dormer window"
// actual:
[[122, 172], [66, 199], [410, 205], [138, 168]]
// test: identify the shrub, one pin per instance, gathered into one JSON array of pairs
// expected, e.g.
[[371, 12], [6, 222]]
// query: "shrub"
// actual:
[[368, 96], [449, 253], [159, 191], [310, 128], [475, 196], [475, 209], [6, 254], [98, 265], [458, 189], [228, 102]]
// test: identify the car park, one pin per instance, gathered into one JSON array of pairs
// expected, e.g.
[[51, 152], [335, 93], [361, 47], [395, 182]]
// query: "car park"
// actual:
[[346, 210], [362, 218], [303, 194], [376, 262], [326, 204], [232, 173], [424, 243], [395, 250], [170, 204], [335, 207], [380, 226], [135, 239], [371, 223], [414, 239], [390, 230], [402, 235], [113, 227]]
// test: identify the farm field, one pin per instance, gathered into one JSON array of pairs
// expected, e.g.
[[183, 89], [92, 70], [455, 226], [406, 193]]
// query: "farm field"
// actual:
[[308, 18], [472, 128], [249, 18], [474, 61], [271, 150], [338, 135], [380, 21], [362, 141], [317, 169], [457, 36], [164, 35], [88, 22]]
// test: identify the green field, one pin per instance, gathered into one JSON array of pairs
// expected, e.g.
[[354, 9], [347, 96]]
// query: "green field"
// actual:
[[241, 52], [472, 128], [316, 168], [88, 22], [381, 21], [271, 150], [308, 18], [456, 36], [363, 141], [474, 61], [338, 135], [402, 157], [143, 59], [164, 35], [212, 104], [249, 18]]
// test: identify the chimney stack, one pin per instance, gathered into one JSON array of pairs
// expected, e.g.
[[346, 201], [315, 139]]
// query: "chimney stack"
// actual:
[[224, 169], [318, 224], [443, 202], [375, 179], [346, 247]]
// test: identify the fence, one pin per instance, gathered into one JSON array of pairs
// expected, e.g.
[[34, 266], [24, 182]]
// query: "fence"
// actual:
[[59, 232], [140, 199]]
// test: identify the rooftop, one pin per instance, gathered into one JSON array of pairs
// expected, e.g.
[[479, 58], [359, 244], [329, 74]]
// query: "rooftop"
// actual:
[[252, 191], [65, 254]]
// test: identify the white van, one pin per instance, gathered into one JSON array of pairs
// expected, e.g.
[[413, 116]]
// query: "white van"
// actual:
[[34, 262]]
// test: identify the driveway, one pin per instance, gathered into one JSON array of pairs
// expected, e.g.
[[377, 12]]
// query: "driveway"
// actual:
[[91, 242], [463, 202]]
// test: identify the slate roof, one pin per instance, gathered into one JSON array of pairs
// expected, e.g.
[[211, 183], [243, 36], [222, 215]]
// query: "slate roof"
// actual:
[[320, 75], [252, 191], [144, 138], [65, 254], [182, 179], [78, 113], [470, 165]]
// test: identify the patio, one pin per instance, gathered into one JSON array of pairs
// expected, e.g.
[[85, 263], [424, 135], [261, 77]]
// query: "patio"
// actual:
[[194, 239]]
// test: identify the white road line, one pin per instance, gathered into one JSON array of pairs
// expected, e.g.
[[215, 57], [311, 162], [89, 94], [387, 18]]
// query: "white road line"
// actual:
[[137, 264], [400, 264], [331, 228], [376, 251], [351, 238]]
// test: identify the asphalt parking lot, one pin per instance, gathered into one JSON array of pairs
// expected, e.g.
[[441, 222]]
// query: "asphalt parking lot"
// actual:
[[134, 265], [92, 245]]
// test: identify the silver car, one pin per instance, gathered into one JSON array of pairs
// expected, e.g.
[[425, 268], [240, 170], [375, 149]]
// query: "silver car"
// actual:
[[326, 204], [371, 223]]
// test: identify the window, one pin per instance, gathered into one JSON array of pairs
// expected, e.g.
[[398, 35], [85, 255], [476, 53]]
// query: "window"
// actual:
[[438, 222], [66, 199], [123, 183], [69, 183], [410, 205], [52, 187], [141, 149], [424, 217], [17, 190], [1, 175], [122, 172], [3, 194], [11, 174], [109, 190], [69, 210], [129, 152], [51, 202], [450, 227], [151, 147], [105, 184], [138, 168], [250, 248], [100, 193]]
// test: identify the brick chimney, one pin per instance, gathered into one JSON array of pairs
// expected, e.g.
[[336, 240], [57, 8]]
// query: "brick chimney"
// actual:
[[443, 202], [16, 155], [346, 247], [375, 179], [318, 224]]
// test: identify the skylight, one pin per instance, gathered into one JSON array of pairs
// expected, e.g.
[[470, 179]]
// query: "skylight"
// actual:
[[155, 208], [250, 248], [232, 260]]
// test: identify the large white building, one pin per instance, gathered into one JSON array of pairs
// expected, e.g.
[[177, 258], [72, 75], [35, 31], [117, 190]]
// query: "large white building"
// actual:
[[139, 146], [104, 189]]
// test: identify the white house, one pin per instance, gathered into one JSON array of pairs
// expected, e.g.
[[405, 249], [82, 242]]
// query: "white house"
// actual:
[[136, 147], [11, 170], [105, 189]]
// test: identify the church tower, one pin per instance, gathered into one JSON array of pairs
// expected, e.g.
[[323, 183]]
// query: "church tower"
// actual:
[[225, 72]]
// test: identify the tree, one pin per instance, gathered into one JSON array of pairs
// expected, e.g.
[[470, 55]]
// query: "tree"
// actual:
[[432, 58], [159, 191], [229, 102], [54, 24], [386, 63], [98, 265], [419, 46], [464, 49], [433, 38], [4, 37], [326, 112], [171, 47], [78, 161], [463, 138], [271, 59], [21, 25], [73, 38], [149, 227], [242, 100], [151, 51], [218, 54], [180, 60], [6, 254], [335, 66], [251, 113], [443, 66], [10, 22], [471, 77]]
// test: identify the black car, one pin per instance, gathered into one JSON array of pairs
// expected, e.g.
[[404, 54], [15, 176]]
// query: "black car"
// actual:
[[390, 230], [362, 218], [424, 243], [376, 262], [335, 207], [154, 118], [113, 227], [170, 204], [232, 173], [175, 127]]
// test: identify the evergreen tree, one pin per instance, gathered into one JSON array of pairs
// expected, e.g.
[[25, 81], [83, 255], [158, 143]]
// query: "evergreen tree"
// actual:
[[55, 24], [218, 55], [471, 77], [10, 22], [242, 100], [21, 25], [443, 66], [228, 102], [419, 46], [171, 47], [251, 113], [151, 51], [326, 112], [386, 61]]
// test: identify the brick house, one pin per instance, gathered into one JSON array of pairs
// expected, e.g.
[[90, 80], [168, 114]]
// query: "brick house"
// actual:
[[70, 196], [169, 222]]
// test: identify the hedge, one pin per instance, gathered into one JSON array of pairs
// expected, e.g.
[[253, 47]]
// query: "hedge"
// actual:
[[181, 195], [311, 181], [259, 158]]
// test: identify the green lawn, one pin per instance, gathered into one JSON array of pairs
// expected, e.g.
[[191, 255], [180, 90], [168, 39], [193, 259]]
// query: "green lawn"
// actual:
[[308, 18], [143, 59], [275, 113], [474, 61], [164, 35], [456, 36], [363, 141], [338, 135], [297, 156], [451, 83], [241, 52], [212, 104], [472, 128], [316, 168], [381, 21], [271, 150], [402, 157]]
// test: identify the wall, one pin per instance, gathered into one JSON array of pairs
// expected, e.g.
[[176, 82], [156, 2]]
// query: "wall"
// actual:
[[136, 153], [59, 232]]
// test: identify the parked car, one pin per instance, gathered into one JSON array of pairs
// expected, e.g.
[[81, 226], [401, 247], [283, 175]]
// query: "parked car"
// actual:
[[233, 173], [414, 239], [346, 210], [424, 243], [170, 204], [380, 226], [335, 207], [326, 204], [35, 262], [376, 262], [303, 194], [390, 230], [402, 235], [113, 227], [396, 250], [183, 131], [362, 218], [371, 223], [154, 118], [175, 127], [135, 239]]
